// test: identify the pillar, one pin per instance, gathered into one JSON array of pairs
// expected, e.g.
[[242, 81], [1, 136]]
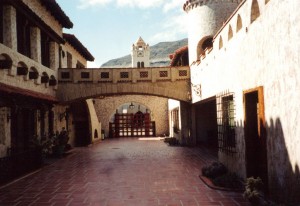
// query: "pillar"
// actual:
[[54, 55], [10, 27], [35, 44]]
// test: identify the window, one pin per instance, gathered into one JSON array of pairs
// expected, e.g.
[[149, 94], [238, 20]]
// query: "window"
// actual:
[[175, 119], [226, 123], [254, 11], [69, 60], [239, 23], [163, 73], [182, 73], [143, 74], [104, 75], [45, 49], [220, 43], [23, 35], [230, 33], [124, 75], [65, 75], [139, 65], [142, 65], [85, 75]]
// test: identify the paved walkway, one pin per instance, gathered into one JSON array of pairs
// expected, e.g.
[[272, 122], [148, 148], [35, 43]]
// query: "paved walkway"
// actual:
[[128, 172]]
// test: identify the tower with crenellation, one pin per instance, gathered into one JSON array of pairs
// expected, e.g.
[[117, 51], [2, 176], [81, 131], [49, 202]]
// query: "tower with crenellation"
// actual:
[[205, 18]]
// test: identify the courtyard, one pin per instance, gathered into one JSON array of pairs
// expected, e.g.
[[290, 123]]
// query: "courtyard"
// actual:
[[127, 171]]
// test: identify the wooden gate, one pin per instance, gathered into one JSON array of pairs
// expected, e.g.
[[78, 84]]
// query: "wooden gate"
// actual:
[[132, 125]]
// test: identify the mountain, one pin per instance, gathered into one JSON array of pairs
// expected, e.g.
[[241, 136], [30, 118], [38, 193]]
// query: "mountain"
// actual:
[[159, 55]]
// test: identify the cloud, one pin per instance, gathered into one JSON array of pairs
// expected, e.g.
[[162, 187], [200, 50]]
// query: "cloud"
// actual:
[[172, 5], [174, 27], [89, 3], [142, 4]]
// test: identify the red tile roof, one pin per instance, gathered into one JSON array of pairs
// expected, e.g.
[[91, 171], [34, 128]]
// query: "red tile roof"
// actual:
[[176, 54]]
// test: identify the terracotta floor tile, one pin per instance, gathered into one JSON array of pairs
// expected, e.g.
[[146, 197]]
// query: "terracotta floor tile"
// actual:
[[125, 172]]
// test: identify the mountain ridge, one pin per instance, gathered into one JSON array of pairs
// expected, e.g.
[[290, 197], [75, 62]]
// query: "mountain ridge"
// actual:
[[159, 55]]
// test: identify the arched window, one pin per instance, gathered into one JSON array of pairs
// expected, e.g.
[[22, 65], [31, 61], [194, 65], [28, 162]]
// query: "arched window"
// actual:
[[254, 11], [142, 64], [230, 33], [220, 43], [239, 23], [204, 43], [5, 62], [138, 64]]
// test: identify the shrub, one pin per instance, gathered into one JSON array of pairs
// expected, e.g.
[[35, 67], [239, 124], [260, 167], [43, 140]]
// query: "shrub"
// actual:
[[214, 170], [229, 180], [254, 191]]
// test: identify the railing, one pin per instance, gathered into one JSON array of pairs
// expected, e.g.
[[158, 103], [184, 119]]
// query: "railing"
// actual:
[[119, 75], [18, 163]]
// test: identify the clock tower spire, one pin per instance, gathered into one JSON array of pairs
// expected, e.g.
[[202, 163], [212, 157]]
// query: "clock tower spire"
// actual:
[[140, 54]]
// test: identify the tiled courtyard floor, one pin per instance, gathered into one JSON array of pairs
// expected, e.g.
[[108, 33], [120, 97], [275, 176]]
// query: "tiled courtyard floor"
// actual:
[[118, 172]]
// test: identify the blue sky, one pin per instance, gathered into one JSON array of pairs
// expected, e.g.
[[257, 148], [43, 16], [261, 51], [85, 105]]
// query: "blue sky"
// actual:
[[108, 28]]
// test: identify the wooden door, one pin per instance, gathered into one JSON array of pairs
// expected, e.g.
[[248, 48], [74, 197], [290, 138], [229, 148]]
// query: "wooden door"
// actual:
[[255, 135]]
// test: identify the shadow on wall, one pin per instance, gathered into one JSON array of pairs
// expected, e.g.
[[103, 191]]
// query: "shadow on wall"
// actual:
[[284, 176]]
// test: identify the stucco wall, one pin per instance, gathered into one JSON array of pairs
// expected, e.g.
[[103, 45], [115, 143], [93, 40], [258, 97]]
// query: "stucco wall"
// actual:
[[95, 126], [44, 14], [264, 53], [158, 106], [76, 56]]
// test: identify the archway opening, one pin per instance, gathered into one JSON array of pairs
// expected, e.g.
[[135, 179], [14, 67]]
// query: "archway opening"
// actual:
[[132, 120]]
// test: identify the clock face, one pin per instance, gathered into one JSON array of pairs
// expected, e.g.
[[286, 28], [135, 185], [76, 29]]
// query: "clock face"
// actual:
[[140, 54]]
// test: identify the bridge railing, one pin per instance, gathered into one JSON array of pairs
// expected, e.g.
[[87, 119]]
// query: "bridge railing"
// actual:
[[119, 75]]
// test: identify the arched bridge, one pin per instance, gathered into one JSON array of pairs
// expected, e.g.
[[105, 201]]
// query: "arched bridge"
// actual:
[[169, 82]]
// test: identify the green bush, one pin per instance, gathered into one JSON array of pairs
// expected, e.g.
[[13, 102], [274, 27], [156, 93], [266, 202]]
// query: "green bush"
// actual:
[[214, 170], [229, 180]]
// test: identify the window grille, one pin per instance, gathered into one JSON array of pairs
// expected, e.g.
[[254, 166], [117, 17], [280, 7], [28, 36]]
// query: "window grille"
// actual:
[[65, 75], [104, 75], [124, 75], [182, 73], [85, 75], [163, 73], [226, 122], [143, 74]]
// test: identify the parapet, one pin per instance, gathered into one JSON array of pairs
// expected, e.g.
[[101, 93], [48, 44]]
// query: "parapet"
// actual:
[[191, 4]]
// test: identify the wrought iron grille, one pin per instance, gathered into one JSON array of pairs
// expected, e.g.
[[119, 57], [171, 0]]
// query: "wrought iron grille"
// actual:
[[163, 73], [143, 74], [182, 73], [226, 122], [104, 75], [124, 75]]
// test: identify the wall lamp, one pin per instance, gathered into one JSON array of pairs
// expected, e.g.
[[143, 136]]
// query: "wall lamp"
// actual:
[[131, 106]]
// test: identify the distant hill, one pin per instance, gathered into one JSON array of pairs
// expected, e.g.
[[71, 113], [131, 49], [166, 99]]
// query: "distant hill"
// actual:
[[159, 55]]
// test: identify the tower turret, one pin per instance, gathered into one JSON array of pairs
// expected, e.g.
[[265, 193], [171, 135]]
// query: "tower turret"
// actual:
[[140, 54], [210, 16]]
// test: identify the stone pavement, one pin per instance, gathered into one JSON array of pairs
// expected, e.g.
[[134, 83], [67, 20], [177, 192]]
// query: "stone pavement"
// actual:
[[129, 172]]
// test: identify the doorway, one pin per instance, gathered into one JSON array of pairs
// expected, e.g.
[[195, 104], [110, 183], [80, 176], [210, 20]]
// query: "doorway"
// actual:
[[255, 135]]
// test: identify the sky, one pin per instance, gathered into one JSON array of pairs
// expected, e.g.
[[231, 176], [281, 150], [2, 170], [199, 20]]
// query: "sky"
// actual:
[[108, 28]]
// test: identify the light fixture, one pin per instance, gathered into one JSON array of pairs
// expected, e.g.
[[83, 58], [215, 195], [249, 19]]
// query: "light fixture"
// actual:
[[131, 106]]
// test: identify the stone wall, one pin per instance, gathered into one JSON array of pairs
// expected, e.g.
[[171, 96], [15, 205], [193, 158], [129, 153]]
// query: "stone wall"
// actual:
[[158, 106], [4, 131]]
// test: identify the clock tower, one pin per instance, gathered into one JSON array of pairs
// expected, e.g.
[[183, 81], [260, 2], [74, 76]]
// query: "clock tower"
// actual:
[[140, 54]]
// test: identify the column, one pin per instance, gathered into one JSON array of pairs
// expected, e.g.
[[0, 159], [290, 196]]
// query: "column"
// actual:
[[10, 27], [54, 55], [35, 44]]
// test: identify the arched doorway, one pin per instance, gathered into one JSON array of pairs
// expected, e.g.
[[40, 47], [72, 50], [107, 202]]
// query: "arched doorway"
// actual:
[[132, 120]]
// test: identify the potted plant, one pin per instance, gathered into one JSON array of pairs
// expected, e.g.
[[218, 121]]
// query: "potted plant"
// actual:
[[60, 141]]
